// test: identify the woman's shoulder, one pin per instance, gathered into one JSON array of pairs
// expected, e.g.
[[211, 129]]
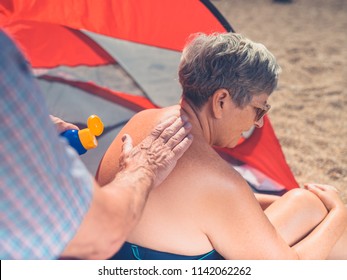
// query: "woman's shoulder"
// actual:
[[156, 114], [138, 127], [205, 172], [142, 123]]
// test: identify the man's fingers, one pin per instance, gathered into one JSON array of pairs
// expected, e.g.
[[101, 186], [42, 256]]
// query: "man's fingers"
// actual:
[[163, 147], [183, 146], [158, 130], [62, 126], [179, 136], [167, 129], [172, 130], [127, 144]]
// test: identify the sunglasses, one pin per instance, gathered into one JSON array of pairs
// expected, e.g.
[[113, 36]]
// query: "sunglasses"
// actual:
[[261, 111]]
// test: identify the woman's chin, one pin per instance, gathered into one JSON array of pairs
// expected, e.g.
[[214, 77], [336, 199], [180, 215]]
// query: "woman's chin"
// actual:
[[232, 144]]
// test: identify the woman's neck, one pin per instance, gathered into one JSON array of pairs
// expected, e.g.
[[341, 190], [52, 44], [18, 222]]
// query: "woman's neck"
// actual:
[[199, 119]]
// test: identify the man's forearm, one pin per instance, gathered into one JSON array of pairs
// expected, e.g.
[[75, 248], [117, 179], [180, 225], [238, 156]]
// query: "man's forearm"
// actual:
[[135, 186], [117, 207], [114, 211]]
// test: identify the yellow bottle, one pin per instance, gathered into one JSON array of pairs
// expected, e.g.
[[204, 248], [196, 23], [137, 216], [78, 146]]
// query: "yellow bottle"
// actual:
[[85, 139]]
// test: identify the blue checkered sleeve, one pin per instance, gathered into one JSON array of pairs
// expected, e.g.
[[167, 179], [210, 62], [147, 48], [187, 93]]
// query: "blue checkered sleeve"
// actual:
[[45, 190]]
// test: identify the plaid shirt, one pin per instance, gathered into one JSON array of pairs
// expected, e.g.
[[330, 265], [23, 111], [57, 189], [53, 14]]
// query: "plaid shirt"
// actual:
[[45, 190]]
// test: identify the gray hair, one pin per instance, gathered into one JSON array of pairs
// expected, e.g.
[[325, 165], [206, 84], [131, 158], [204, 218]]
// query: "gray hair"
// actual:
[[229, 61]]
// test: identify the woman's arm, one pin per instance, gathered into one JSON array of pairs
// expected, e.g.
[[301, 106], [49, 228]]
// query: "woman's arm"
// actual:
[[239, 229], [318, 244], [266, 200]]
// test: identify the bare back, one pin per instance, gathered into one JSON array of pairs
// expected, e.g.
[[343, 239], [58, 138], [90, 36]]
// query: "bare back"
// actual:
[[205, 204], [175, 212]]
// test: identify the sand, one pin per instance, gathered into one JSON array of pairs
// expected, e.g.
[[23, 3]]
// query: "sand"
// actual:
[[309, 39]]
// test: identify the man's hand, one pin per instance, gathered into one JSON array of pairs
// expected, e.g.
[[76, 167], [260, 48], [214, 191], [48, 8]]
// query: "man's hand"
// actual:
[[62, 126], [157, 153], [117, 207]]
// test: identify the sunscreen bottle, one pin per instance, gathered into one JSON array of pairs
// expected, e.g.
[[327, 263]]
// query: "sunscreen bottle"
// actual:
[[85, 139]]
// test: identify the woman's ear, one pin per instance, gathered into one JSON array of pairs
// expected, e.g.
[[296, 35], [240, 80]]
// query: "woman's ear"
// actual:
[[219, 100]]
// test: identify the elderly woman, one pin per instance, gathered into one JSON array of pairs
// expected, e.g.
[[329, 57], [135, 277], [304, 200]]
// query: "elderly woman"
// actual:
[[205, 209]]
